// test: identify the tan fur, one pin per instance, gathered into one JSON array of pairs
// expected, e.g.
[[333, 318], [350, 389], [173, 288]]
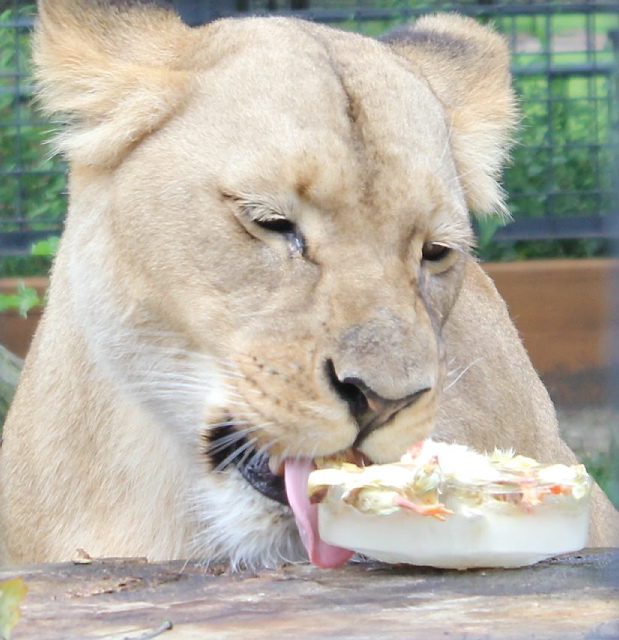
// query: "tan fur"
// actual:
[[171, 309]]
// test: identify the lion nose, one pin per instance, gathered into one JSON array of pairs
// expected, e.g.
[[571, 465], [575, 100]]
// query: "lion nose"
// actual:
[[369, 409]]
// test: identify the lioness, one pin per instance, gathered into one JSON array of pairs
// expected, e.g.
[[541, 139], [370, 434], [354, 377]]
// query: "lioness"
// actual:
[[266, 258]]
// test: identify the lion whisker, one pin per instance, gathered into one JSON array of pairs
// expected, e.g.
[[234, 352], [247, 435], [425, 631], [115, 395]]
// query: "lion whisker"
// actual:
[[248, 452], [228, 423], [238, 404], [224, 443], [239, 433], [237, 452], [451, 384], [447, 142]]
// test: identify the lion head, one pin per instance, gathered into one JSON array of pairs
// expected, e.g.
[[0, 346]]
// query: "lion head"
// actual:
[[268, 229]]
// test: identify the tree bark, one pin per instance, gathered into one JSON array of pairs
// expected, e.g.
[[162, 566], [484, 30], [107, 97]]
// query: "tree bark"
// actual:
[[572, 597]]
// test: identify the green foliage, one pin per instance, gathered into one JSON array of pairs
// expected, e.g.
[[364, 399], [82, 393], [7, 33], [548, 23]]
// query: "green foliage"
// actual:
[[24, 266], [565, 169], [605, 470], [12, 593], [507, 251], [564, 162], [32, 181], [47, 248], [25, 298]]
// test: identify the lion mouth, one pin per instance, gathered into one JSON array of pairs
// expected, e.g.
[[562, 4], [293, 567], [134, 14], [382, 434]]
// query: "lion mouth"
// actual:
[[228, 448]]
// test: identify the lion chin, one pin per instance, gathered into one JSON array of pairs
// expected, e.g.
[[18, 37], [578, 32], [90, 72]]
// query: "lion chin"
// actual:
[[267, 258]]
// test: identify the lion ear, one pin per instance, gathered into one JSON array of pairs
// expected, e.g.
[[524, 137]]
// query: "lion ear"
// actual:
[[467, 67], [109, 72]]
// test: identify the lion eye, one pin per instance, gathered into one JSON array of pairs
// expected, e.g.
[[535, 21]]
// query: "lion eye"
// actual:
[[286, 228], [278, 225], [435, 251]]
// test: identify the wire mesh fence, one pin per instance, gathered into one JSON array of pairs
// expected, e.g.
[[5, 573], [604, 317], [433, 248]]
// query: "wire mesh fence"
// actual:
[[562, 179], [32, 184]]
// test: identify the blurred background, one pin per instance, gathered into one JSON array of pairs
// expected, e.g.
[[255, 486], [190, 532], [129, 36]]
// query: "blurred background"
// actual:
[[553, 262]]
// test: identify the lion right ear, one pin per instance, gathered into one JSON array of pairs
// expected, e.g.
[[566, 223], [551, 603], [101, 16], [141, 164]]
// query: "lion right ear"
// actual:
[[467, 67], [111, 73]]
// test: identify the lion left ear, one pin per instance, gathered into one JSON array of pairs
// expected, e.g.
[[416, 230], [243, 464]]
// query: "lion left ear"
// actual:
[[467, 67], [110, 72]]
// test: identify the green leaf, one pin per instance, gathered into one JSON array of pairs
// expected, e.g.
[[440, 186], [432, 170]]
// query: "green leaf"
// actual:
[[47, 247], [487, 227], [23, 300], [28, 298], [8, 301], [12, 592]]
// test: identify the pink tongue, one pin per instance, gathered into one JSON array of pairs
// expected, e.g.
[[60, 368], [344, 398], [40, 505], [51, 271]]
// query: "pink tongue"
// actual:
[[296, 473]]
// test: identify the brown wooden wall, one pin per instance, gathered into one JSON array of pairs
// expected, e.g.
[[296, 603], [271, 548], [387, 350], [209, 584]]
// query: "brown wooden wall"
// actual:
[[562, 310]]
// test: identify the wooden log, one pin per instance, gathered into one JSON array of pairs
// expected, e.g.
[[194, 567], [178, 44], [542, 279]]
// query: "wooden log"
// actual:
[[575, 596]]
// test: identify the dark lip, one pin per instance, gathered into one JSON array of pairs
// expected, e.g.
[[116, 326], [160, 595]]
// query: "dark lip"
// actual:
[[254, 467]]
